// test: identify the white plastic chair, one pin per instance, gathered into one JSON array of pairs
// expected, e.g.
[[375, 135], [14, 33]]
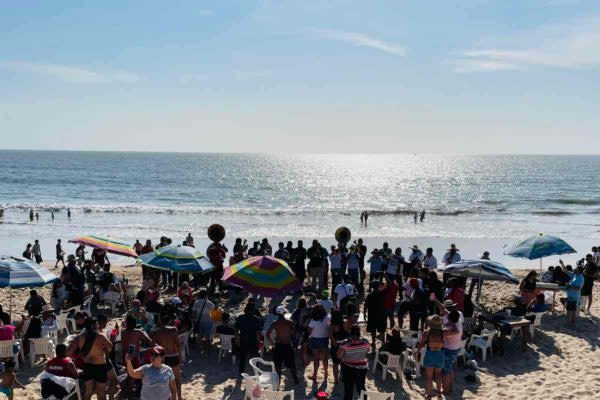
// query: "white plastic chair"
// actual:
[[537, 322], [276, 395], [87, 305], [250, 384], [364, 395], [61, 322], [483, 342], [41, 346], [409, 355], [76, 392], [393, 363], [6, 351], [463, 350], [226, 347], [269, 376], [184, 344], [411, 337]]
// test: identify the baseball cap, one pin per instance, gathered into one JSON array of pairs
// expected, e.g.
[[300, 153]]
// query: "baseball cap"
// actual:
[[157, 351]]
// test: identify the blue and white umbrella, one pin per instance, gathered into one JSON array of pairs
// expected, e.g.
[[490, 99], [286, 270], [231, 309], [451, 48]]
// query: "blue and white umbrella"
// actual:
[[481, 270], [540, 246], [22, 273], [184, 259]]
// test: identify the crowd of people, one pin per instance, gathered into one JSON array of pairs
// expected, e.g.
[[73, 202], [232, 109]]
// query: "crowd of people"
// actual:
[[341, 316]]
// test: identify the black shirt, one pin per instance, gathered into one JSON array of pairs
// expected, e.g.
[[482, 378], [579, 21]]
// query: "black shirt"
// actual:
[[249, 326]]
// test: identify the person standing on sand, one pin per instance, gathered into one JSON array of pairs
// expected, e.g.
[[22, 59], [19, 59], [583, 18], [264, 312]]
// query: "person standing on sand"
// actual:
[[283, 352], [132, 338], [167, 337], [248, 330], [429, 261], [216, 254], [590, 274], [158, 379], [37, 251], [282, 253], [60, 254], [93, 347], [137, 247], [28, 252], [300, 261], [31, 215], [452, 256]]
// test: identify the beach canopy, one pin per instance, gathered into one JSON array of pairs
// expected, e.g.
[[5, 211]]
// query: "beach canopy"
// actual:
[[22, 273], [183, 259], [484, 269], [263, 275], [107, 243], [540, 246]]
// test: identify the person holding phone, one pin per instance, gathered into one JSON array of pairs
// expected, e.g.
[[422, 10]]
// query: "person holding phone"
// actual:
[[132, 339], [158, 380]]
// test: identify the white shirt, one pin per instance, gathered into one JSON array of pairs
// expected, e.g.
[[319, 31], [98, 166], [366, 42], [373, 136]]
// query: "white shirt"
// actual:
[[451, 259], [206, 312], [319, 329], [430, 262], [327, 305], [342, 290], [335, 261]]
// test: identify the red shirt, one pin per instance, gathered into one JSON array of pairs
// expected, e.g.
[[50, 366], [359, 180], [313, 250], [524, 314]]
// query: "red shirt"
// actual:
[[61, 367], [457, 295], [7, 332], [390, 292]]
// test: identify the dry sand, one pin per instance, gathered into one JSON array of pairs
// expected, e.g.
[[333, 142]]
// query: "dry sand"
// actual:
[[561, 363]]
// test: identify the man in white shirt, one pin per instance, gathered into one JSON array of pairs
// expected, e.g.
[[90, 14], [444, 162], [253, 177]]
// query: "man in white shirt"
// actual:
[[429, 261], [451, 255], [201, 315], [342, 290]]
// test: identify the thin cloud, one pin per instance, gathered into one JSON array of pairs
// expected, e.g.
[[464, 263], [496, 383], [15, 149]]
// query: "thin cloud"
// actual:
[[70, 74], [573, 44], [360, 39], [192, 78]]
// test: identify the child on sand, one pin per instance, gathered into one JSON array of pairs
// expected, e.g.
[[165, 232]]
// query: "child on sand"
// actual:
[[8, 379]]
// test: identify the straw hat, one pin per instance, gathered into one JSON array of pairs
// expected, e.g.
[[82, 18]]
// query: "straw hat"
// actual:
[[435, 322], [414, 247], [449, 303]]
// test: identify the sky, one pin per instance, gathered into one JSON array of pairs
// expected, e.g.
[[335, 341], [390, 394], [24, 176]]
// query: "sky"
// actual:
[[471, 76]]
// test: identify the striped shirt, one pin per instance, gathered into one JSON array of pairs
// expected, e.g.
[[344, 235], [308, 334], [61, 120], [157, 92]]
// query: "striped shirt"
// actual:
[[355, 354]]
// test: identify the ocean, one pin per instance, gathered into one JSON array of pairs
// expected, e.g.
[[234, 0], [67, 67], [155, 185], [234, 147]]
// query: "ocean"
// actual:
[[147, 195]]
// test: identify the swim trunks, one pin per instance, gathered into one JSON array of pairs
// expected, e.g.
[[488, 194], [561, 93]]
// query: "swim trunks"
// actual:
[[94, 372]]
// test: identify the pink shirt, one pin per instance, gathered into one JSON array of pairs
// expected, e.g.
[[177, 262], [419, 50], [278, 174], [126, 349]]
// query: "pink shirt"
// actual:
[[453, 341], [7, 332]]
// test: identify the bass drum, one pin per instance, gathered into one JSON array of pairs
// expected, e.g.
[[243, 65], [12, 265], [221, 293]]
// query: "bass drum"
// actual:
[[342, 235], [216, 232]]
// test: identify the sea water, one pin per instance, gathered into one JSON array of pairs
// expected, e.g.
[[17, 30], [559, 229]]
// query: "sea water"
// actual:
[[148, 195]]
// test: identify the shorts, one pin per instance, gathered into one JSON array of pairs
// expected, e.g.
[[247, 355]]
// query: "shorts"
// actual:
[[172, 361], [94, 372], [388, 312], [7, 391], [283, 354], [319, 343], [433, 359], [450, 357], [571, 305]]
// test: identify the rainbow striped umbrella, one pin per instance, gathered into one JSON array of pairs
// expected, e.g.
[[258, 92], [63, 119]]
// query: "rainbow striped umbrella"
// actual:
[[263, 275], [109, 244]]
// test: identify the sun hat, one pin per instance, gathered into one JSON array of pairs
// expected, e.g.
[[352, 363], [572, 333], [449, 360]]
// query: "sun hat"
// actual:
[[449, 303], [435, 322], [414, 247]]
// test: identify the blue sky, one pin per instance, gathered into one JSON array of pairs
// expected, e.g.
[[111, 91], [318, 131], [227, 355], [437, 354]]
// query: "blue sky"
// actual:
[[474, 76]]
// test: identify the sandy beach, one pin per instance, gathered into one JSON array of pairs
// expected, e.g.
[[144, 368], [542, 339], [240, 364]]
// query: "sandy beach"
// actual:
[[559, 364]]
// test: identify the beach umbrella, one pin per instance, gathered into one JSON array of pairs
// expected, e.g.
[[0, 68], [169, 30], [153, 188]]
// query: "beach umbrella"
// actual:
[[263, 275], [183, 259], [540, 246], [107, 243], [22, 273], [482, 270]]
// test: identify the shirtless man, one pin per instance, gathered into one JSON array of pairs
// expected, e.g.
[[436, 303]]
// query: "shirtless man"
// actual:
[[130, 336], [112, 382], [93, 347], [167, 337], [283, 353]]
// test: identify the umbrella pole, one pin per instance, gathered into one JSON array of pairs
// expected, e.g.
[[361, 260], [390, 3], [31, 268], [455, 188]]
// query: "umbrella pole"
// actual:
[[540, 264], [10, 295], [478, 288]]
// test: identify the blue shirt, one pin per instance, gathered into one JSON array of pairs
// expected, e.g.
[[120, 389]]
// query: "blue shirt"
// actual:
[[376, 263], [574, 293]]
